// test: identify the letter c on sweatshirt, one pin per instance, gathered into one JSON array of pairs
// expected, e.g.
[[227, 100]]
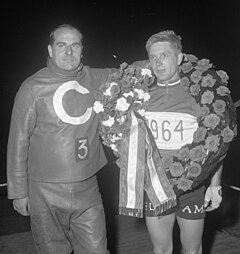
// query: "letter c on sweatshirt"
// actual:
[[58, 106]]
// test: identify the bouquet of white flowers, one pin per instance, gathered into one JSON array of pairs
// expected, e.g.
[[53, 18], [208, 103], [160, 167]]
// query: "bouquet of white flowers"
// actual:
[[126, 91]]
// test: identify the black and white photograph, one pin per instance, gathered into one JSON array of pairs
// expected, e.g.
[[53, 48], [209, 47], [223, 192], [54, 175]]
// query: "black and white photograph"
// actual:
[[119, 130]]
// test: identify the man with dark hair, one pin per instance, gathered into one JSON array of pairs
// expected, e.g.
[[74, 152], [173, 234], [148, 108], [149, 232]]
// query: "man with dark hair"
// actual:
[[54, 151]]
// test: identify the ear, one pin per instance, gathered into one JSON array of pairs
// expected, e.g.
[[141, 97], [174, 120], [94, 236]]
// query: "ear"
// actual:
[[50, 50], [180, 58]]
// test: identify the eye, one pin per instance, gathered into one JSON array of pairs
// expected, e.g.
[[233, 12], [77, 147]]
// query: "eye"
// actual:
[[163, 55], [60, 45], [152, 58], [76, 46]]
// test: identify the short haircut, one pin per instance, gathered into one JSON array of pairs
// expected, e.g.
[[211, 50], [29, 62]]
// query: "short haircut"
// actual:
[[168, 35], [68, 26]]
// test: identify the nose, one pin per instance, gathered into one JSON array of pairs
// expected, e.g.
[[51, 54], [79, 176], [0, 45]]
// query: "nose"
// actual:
[[68, 50], [159, 61]]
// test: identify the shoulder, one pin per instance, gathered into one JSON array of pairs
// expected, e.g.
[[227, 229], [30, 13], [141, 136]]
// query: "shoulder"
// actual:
[[94, 71], [27, 86], [35, 76]]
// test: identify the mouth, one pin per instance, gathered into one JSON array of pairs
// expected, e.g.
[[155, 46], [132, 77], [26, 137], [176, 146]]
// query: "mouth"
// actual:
[[68, 58], [160, 71]]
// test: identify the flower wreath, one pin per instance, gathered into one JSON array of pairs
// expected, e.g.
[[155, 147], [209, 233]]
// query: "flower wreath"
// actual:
[[127, 91], [194, 162]]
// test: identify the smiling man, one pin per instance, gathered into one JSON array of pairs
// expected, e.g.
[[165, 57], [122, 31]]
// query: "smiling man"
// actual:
[[54, 151]]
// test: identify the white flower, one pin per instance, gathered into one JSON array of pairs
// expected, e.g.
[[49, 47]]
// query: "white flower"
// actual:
[[146, 72], [122, 104], [134, 80], [115, 137], [121, 119], [109, 122], [108, 90], [98, 107], [140, 93], [128, 94], [146, 97], [141, 112], [114, 147]]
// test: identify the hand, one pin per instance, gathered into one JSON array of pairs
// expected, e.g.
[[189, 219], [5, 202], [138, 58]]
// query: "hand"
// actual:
[[22, 206], [213, 198]]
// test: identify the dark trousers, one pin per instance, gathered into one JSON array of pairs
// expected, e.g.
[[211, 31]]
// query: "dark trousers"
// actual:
[[68, 217]]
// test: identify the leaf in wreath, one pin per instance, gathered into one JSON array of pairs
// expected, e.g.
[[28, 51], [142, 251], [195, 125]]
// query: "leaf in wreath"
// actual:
[[106, 129], [167, 161], [136, 106], [125, 83], [103, 116], [138, 72]]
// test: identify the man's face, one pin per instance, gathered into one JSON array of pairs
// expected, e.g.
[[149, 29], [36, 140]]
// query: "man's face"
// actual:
[[164, 61], [66, 51]]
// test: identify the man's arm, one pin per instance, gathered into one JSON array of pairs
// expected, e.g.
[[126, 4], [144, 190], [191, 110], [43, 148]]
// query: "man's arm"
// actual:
[[23, 120]]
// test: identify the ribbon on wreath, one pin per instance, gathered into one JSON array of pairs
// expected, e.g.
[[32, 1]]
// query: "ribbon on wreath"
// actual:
[[141, 170]]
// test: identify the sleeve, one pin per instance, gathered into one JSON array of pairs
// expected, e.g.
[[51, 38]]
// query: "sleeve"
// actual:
[[104, 75], [108, 73], [22, 123]]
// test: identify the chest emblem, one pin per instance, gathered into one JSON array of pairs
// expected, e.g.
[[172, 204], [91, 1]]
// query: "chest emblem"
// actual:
[[58, 105]]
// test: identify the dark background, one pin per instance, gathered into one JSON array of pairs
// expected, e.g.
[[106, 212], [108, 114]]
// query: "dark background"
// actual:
[[116, 32]]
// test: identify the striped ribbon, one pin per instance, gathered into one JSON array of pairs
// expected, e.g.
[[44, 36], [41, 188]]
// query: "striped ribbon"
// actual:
[[141, 170]]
